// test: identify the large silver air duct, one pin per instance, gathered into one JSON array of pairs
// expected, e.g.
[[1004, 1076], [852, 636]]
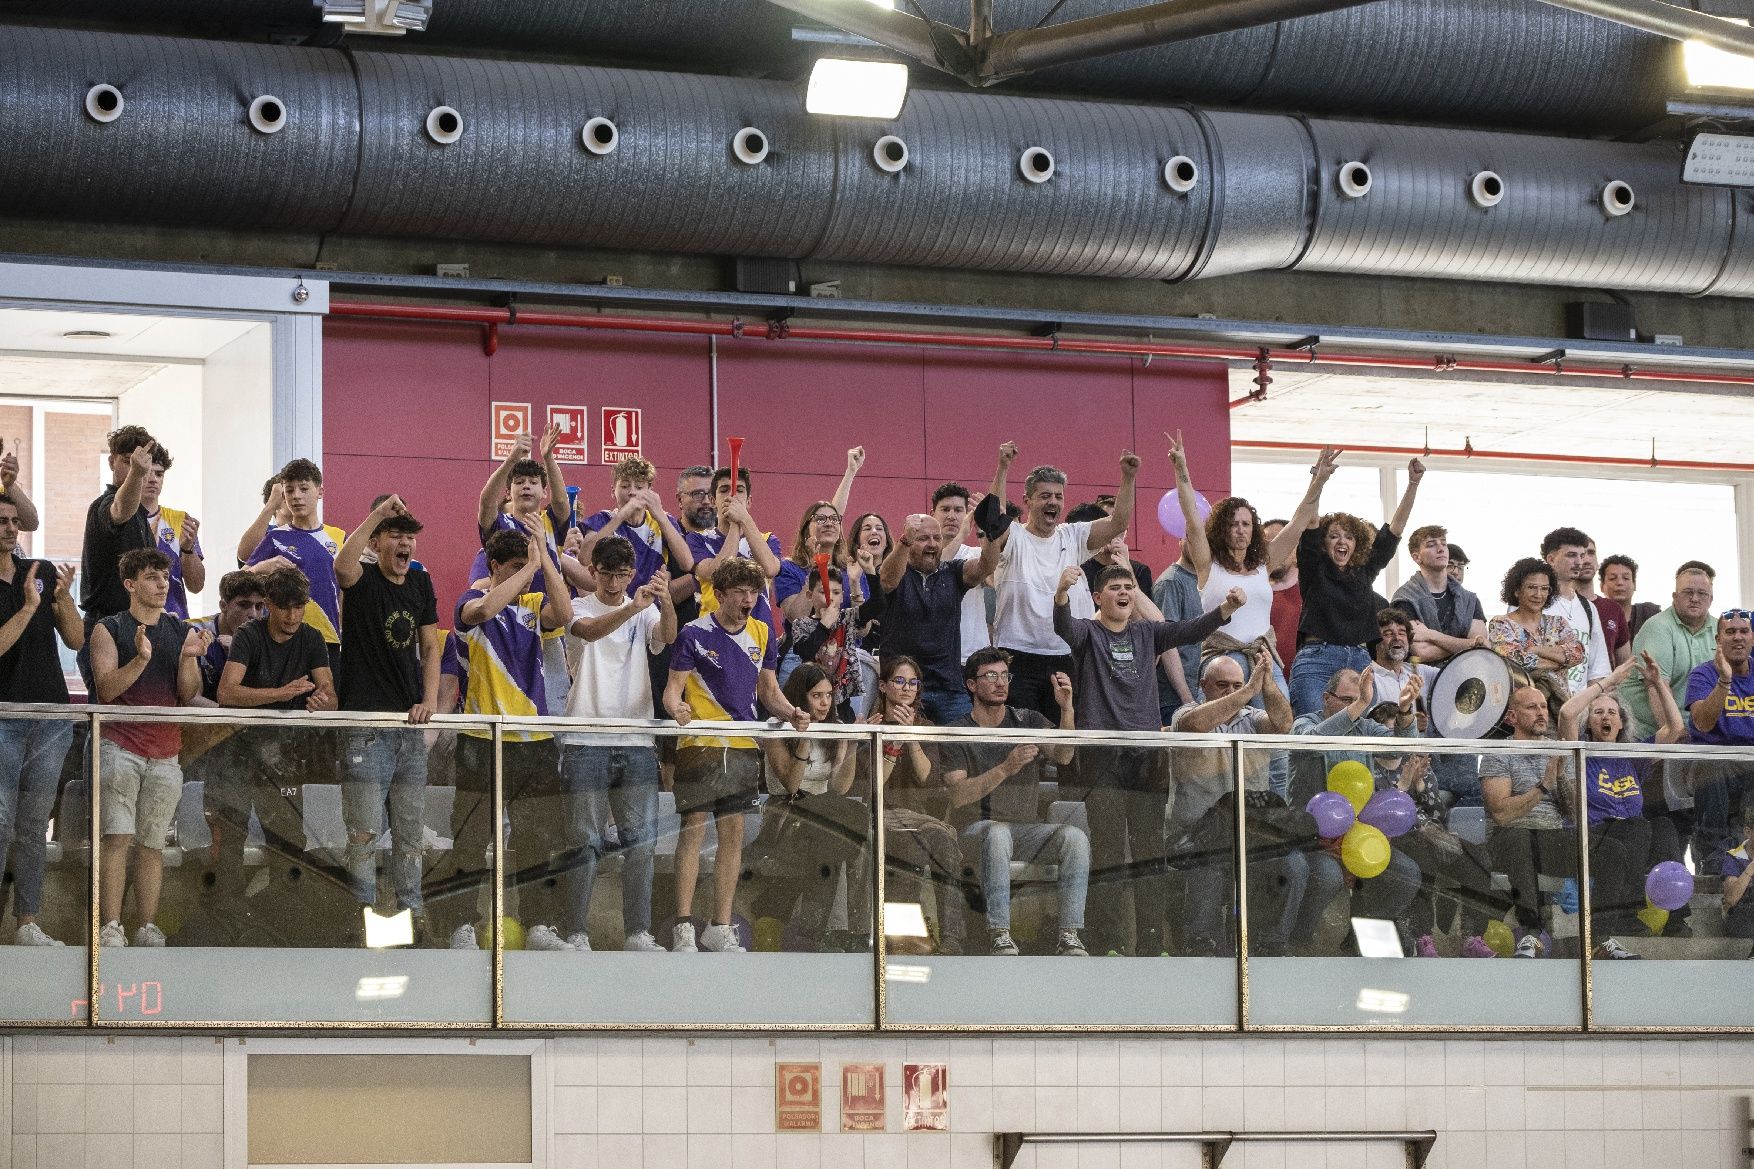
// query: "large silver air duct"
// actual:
[[453, 148]]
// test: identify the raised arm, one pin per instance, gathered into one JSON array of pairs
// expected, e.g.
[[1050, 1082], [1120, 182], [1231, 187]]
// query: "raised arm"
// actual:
[[999, 492], [258, 529], [493, 491], [1115, 524], [189, 554], [28, 600], [1577, 707], [127, 498], [894, 566], [1708, 711], [557, 602], [843, 493], [28, 520], [1210, 715], [1199, 551], [1672, 724], [347, 561], [1284, 545], [1278, 706], [487, 607], [1398, 521], [557, 511], [67, 620], [108, 679], [195, 643]]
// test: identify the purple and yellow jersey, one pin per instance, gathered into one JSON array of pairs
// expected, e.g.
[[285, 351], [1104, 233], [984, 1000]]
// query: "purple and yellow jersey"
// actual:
[[167, 527], [313, 550], [504, 661], [723, 669]]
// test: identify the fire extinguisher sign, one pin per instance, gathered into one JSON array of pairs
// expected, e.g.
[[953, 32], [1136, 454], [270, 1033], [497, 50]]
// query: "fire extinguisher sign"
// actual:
[[621, 433]]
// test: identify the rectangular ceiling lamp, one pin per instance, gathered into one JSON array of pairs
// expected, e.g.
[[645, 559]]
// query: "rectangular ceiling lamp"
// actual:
[[856, 89]]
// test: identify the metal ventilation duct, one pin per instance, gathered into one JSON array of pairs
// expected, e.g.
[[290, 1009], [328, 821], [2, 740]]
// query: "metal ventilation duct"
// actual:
[[1515, 63], [442, 147]]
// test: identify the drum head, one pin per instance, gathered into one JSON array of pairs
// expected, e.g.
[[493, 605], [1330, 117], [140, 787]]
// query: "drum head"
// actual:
[[1471, 694]]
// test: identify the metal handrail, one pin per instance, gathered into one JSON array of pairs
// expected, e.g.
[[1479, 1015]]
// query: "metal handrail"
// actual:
[[1214, 1144]]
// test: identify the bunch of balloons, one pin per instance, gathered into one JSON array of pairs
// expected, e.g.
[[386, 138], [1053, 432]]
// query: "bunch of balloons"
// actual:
[[1361, 818]]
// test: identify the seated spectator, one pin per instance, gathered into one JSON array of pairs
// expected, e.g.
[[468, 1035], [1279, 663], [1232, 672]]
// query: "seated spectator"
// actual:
[[1112, 657], [1720, 712], [1202, 828], [1737, 872], [722, 667], [1338, 560], [996, 797], [923, 595], [1526, 797], [141, 656], [1389, 656], [1532, 637], [1349, 707], [811, 831], [1621, 848], [1447, 617], [1619, 583]]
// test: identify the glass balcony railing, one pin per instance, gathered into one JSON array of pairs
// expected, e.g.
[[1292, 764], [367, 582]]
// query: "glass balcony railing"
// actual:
[[266, 870]]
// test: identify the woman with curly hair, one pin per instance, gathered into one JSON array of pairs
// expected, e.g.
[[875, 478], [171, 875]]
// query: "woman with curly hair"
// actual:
[[1338, 561], [1543, 643]]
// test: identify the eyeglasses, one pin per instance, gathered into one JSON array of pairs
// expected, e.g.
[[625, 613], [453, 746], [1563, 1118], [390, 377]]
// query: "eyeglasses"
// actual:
[[697, 493], [905, 683], [992, 676], [826, 517], [1695, 594]]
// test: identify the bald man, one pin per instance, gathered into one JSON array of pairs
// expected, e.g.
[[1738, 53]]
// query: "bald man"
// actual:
[[1525, 796]]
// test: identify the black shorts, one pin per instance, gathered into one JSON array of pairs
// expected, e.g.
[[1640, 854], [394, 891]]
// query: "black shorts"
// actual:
[[720, 780]]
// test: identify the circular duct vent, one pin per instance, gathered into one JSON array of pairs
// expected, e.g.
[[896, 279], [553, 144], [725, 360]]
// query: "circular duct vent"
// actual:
[[103, 103], [890, 154], [1486, 189], [444, 125], [1036, 165], [1618, 198], [749, 145], [1181, 174], [1354, 180], [600, 136], [267, 115]]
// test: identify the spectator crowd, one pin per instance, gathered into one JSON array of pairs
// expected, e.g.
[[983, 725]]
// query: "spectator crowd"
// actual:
[[977, 614]]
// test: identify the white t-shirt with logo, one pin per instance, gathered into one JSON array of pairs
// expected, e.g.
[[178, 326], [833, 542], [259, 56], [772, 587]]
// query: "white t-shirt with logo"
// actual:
[[614, 678], [1027, 578]]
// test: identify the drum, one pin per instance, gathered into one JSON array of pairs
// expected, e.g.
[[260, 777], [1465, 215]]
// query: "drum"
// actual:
[[1471, 694]]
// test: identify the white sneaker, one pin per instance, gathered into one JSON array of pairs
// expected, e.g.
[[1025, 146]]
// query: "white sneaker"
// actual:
[[642, 943], [1613, 949], [1528, 947], [721, 939], [149, 935], [543, 937], [112, 934], [683, 939], [463, 938], [33, 935]]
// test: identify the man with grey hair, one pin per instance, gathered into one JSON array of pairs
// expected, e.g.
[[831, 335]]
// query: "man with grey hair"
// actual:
[[1032, 555]]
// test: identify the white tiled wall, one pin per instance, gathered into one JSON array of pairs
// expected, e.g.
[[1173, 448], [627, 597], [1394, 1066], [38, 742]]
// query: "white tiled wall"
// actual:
[[676, 1103]]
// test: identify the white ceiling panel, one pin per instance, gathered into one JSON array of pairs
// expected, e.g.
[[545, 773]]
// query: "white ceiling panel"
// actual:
[[168, 337], [70, 377]]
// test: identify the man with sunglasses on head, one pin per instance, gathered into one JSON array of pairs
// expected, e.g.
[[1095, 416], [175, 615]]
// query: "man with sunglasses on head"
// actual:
[[1720, 712]]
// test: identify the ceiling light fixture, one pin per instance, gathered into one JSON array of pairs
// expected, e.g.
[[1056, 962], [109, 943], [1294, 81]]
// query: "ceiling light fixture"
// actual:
[[856, 89], [1709, 67], [379, 17]]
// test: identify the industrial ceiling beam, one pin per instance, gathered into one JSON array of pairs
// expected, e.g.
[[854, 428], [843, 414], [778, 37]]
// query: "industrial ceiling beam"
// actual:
[[1667, 20], [1025, 50], [926, 41]]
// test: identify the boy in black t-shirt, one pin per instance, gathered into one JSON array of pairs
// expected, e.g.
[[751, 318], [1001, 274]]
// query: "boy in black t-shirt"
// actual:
[[389, 662], [31, 750]]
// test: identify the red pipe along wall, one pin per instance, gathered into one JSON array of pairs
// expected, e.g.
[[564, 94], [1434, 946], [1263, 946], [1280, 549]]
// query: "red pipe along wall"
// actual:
[[407, 408]]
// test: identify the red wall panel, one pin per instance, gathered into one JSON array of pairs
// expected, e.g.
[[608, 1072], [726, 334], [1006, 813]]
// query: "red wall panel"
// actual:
[[406, 408]]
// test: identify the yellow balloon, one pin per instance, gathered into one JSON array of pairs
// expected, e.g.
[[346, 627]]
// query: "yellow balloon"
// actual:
[[1352, 779], [769, 934], [514, 935], [1654, 919], [1499, 939], [1364, 851]]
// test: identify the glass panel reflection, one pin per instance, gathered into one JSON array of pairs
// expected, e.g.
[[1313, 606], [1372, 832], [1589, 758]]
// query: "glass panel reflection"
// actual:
[[44, 854]]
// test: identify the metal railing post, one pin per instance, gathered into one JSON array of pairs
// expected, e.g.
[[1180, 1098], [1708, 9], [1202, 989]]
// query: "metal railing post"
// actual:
[[95, 925], [1242, 885], [496, 900], [1585, 939], [879, 886]]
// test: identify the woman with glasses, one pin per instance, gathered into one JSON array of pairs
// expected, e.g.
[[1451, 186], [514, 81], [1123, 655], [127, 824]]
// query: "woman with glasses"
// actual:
[[822, 626], [922, 848], [1542, 643]]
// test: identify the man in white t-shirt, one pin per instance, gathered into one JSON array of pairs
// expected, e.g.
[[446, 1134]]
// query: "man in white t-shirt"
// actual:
[[606, 772], [953, 508], [1032, 556], [1567, 550]]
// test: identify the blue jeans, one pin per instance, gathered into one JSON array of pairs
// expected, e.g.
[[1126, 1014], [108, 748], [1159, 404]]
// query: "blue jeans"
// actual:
[[385, 767], [944, 707], [600, 782], [1315, 666], [997, 844], [31, 754]]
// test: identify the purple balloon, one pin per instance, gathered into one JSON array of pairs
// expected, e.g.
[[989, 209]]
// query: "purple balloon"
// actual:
[[1669, 886], [1169, 513], [1391, 812], [1332, 812]]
